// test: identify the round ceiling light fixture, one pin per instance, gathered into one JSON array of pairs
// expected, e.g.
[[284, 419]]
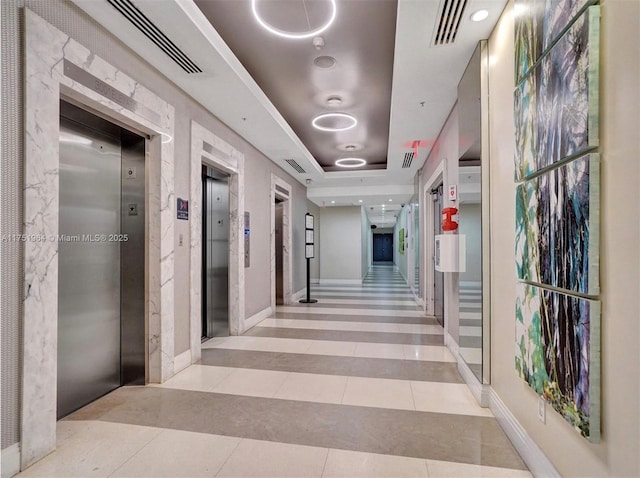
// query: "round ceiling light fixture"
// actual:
[[324, 61], [479, 15], [334, 101], [294, 35], [334, 122], [350, 162]]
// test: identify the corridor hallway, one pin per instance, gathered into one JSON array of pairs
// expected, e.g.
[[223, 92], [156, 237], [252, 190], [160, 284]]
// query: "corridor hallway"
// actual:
[[359, 384]]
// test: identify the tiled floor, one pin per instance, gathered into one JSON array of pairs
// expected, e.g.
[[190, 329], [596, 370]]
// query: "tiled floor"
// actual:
[[358, 385]]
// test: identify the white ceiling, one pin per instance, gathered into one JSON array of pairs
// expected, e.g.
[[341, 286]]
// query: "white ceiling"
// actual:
[[421, 73]]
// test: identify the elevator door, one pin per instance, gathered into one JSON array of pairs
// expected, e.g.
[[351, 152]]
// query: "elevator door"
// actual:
[[438, 283], [215, 253], [96, 316], [278, 229]]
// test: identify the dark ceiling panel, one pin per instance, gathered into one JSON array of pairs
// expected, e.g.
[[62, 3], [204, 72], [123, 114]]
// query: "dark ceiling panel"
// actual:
[[361, 40]]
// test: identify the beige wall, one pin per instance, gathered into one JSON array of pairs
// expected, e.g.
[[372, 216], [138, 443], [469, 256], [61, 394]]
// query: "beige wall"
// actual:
[[618, 453], [341, 243], [471, 226]]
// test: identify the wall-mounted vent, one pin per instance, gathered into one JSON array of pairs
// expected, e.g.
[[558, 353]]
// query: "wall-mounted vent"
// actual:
[[448, 22], [408, 159], [153, 33], [294, 165]]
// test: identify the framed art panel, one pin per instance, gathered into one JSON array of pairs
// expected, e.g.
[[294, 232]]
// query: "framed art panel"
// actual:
[[558, 353], [557, 227]]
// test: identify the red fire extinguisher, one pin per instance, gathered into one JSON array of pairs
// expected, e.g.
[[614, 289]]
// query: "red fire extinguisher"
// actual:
[[450, 219]]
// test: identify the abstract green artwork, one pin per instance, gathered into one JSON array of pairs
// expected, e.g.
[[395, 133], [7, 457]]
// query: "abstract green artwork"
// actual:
[[558, 353], [401, 241], [557, 224], [556, 105]]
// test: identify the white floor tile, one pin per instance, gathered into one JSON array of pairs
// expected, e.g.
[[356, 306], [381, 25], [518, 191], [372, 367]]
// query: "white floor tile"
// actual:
[[446, 398], [367, 302], [447, 469], [432, 353], [340, 311], [255, 383], [352, 464], [469, 331], [97, 450], [378, 392], [176, 453], [310, 387], [254, 458], [353, 326]]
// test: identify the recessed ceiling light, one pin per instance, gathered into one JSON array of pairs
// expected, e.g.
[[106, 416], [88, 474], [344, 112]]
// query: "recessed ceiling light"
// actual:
[[344, 120], [350, 162], [334, 101], [333, 202], [325, 62], [479, 15], [359, 200], [390, 200], [292, 35]]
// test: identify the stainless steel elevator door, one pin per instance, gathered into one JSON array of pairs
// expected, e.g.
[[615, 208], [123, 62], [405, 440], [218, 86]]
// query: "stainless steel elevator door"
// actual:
[[215, 254], [89, 265]]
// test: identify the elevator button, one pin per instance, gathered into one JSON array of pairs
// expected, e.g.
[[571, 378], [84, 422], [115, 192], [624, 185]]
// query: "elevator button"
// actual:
[[133, 209], [130, 172]]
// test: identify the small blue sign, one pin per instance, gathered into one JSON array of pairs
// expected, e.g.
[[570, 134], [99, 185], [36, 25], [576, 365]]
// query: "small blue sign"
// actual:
[[183, 209]]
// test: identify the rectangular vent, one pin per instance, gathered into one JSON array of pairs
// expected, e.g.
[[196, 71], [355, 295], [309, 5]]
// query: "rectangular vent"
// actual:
[[282, 190], [153, 33], [449, 21], [408, 159], [294, 165]]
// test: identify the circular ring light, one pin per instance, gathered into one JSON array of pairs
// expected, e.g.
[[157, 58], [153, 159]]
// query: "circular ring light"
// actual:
[[316, 121], [291, 35], [350, 162]]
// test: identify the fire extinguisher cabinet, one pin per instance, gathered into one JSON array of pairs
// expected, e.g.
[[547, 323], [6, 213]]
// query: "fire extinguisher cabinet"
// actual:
[[450, 252]]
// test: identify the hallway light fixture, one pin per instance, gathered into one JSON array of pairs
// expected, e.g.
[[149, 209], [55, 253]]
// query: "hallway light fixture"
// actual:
[[479, 15], [292, 35], [350, 162], [351, 121]]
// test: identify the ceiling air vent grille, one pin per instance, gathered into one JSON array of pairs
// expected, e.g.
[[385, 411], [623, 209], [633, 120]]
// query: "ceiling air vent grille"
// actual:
[[294, 165], [449, 21], [153, 33], [408, 159]]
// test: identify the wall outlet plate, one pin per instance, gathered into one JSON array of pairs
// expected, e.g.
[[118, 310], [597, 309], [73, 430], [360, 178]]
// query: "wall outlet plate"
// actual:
[[542, 404]]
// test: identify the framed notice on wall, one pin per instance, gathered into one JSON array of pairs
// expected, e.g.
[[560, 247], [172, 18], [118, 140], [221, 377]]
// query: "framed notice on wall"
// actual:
[[308, 252], [309, 236], [308, 221]]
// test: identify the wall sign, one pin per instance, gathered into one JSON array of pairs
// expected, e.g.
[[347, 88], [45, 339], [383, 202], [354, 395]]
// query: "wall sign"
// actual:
[[183, 209]]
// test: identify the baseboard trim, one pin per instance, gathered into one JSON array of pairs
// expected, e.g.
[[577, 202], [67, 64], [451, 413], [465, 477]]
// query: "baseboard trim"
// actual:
[[255, 319], [480, 391], [182, 361], [340, 281], [530, 452], [11, 461], [299, 295], [452, 345]]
